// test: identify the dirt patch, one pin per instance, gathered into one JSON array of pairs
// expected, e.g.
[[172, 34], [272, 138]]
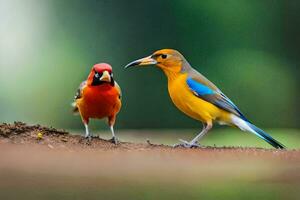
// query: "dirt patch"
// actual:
[[21, 133]]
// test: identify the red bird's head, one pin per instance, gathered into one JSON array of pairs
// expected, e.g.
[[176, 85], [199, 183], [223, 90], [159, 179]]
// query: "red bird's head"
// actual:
[[101, 73]]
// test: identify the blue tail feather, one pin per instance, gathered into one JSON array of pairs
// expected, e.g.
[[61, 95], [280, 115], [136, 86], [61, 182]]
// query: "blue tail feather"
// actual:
[[266, 137]]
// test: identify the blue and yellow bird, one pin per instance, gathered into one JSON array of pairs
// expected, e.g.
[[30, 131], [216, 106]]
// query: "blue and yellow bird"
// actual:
[[199, 98]]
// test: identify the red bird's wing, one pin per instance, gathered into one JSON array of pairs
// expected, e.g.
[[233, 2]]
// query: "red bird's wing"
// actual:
[[119, 89], [78, 95]]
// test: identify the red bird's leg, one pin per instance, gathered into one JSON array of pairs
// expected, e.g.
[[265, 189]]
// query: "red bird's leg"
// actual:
[[85, 121], [111, 122], [114, 139], [87, 133]]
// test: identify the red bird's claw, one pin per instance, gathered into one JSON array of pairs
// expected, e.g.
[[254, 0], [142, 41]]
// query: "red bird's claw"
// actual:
[[86, 140], [114, 140]]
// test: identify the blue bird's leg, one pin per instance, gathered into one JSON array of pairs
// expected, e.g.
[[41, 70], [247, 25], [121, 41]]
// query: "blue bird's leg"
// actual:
[[194, 142], [206, 128]]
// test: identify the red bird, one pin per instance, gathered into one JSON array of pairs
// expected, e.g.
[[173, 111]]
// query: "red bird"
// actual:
[[98, 97]]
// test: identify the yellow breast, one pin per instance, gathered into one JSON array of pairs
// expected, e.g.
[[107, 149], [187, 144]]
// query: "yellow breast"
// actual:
[[189, 103]]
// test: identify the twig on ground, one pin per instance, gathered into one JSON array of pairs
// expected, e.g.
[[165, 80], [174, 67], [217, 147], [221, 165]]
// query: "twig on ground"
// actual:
[[148, 142]]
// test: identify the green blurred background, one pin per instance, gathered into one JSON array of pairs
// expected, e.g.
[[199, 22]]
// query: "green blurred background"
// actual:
[[250, 49]]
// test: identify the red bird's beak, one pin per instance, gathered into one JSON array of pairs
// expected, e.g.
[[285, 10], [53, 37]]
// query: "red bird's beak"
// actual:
[[105, 77]]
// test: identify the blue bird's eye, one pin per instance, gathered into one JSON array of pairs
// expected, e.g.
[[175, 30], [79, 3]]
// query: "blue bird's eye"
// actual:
[[164, 56]]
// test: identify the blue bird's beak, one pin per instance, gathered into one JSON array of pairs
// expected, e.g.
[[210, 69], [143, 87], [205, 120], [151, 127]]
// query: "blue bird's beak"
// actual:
[[143, 61]]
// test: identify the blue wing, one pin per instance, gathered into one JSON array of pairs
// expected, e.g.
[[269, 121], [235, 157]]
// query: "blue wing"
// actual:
[[217, 98], [199, 88]]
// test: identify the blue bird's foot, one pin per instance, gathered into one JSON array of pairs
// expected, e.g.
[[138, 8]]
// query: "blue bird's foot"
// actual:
[[187, 144]]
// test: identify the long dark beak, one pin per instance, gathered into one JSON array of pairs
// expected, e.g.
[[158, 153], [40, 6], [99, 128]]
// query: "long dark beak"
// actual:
[[143, 61]]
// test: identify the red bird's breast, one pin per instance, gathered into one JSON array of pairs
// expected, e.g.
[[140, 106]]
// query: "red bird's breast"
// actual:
[[99, 101]]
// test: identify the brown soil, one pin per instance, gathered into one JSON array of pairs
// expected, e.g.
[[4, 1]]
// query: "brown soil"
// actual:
[[21, 133], [61, 163]]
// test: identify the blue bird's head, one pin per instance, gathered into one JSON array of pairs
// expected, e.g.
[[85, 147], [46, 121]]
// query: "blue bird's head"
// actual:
[[169, 60]]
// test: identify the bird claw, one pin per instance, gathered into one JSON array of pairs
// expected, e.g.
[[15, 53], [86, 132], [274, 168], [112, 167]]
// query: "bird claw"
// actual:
[[114, 140], [88, 135], [87, 140], [187, 144]]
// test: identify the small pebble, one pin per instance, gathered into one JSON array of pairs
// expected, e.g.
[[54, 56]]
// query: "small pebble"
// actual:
[[39, 136]]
